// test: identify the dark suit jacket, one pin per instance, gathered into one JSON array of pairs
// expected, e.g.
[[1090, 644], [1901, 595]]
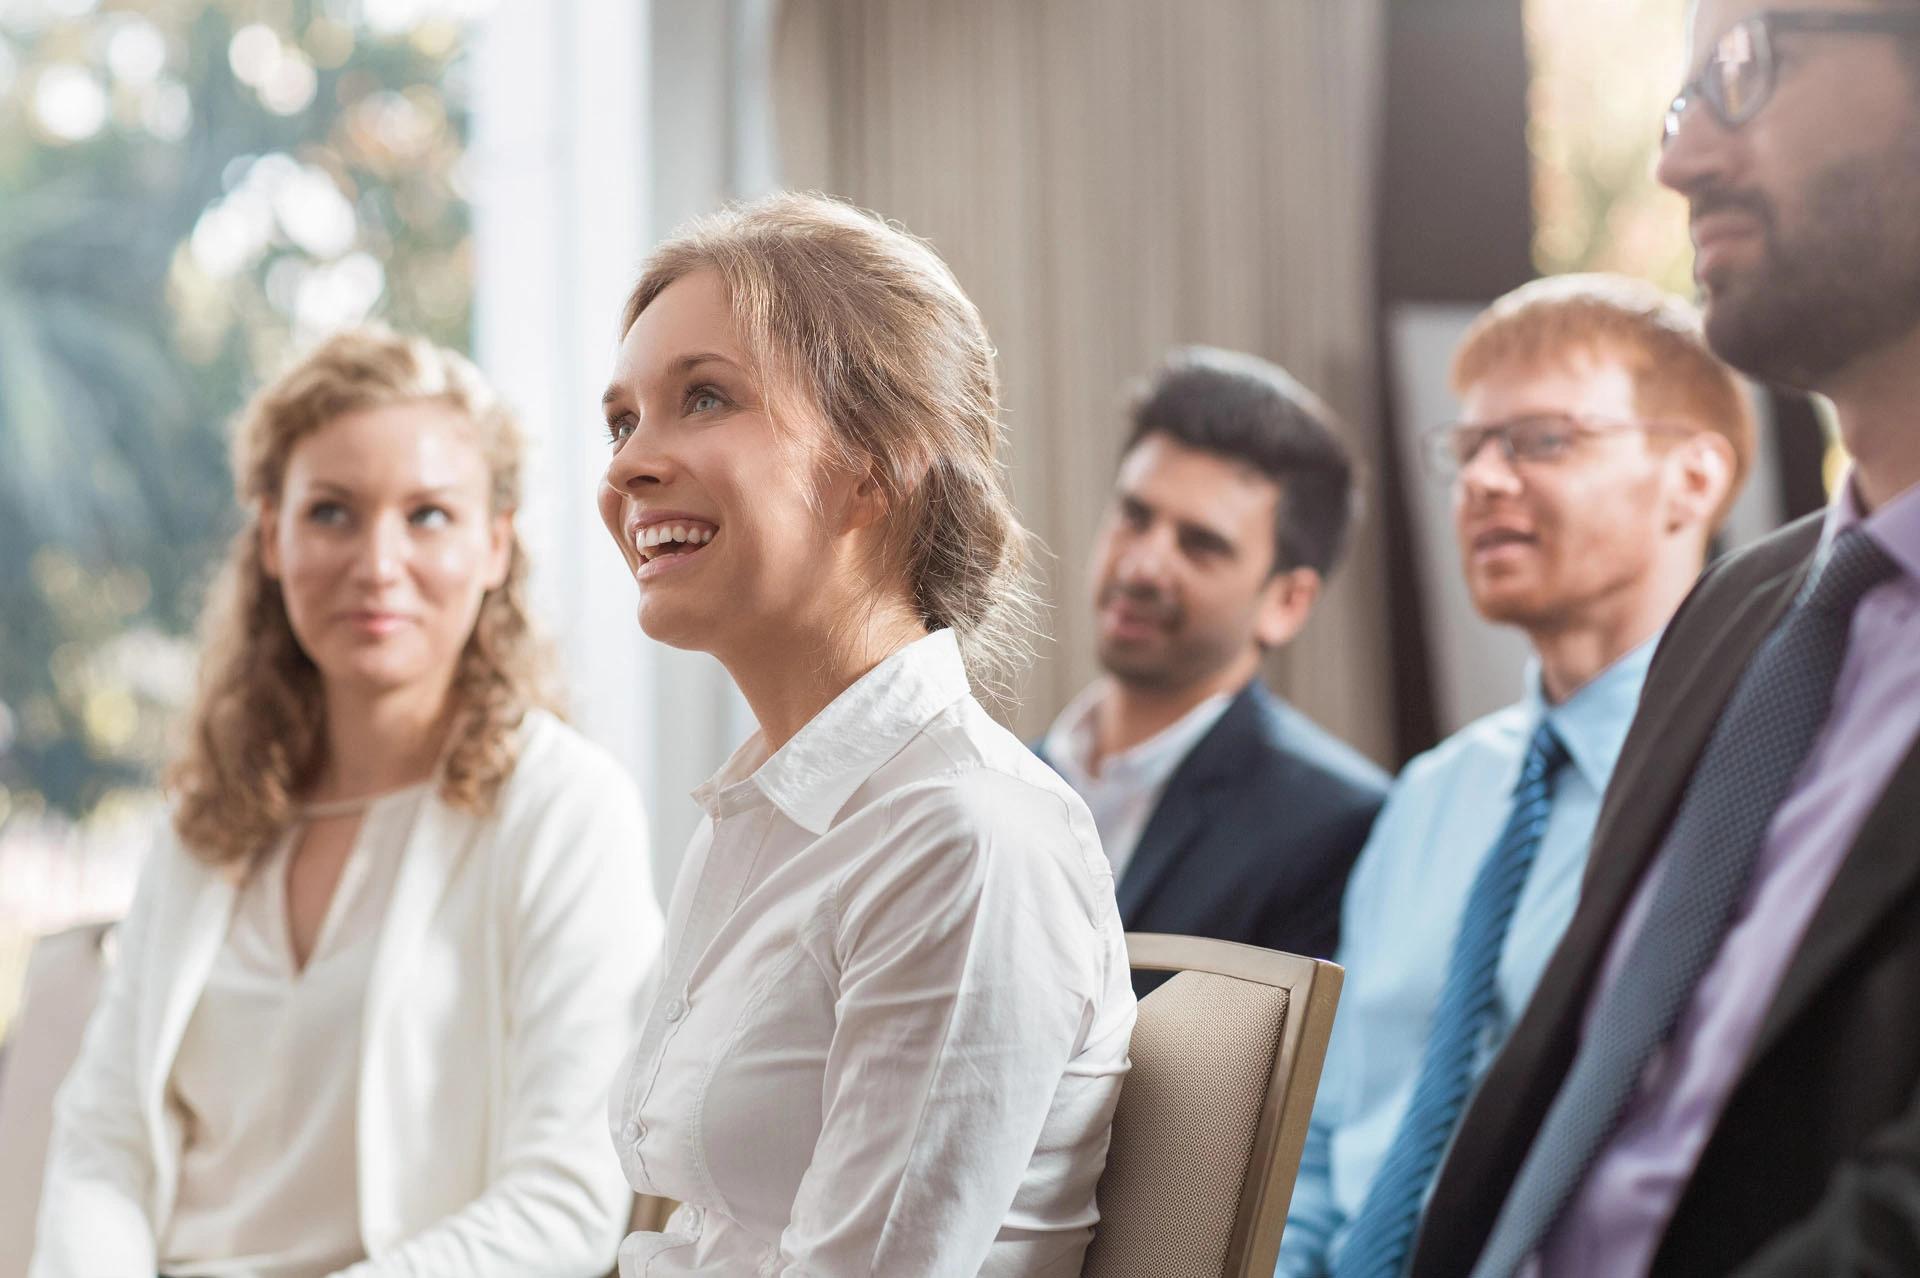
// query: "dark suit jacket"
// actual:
[[1255, 834], [1814, 1166]]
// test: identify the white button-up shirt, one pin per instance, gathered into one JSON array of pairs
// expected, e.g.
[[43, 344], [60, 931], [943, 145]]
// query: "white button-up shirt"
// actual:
[[893, 1012]]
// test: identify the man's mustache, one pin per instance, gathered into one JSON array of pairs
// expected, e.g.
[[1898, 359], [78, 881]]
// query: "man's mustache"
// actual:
[[1143, 598], [1706, 203]]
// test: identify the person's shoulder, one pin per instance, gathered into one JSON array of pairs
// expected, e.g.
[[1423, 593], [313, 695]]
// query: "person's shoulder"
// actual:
[[1493, 741], [555, 758], [1700, 623], [172, 869], [972, 759], [1735, 575], [968, 784], [560, 775], [1464, 772], [1285, 735]]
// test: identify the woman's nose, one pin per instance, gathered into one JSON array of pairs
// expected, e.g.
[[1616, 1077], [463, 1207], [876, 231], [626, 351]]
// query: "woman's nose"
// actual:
[[382, 549]]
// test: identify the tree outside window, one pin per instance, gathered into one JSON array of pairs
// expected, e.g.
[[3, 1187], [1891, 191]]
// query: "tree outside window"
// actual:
[[190, 190]]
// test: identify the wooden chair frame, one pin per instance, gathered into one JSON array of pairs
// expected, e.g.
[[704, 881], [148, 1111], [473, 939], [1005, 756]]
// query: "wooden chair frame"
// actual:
[[1313, 994]]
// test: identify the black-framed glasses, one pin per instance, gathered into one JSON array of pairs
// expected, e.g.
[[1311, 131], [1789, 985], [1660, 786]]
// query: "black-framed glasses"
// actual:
[[1537, 439], [1738, 77]]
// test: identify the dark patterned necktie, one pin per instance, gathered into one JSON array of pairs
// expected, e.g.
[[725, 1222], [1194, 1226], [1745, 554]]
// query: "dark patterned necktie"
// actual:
[[1743, 776], [1382, 1234]]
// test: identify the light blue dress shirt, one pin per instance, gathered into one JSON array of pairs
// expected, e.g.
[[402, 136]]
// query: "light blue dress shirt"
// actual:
[[1402, 910]]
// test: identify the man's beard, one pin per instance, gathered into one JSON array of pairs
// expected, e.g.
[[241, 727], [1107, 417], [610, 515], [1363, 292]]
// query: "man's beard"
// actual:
[[1143, 669], [1186, 656], [1845, 284]]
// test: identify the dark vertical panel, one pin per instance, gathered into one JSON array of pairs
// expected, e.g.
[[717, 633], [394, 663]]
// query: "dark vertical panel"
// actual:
[[1455, 224], [1802, 446], [1456, 219]]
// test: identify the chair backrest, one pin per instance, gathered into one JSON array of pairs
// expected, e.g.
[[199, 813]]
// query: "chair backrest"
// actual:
[[1213, 1115], [63, 980]]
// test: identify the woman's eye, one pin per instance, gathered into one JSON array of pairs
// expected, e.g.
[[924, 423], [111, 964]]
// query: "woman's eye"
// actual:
[[703, 399], [328, 513], [430, 517], [618, 430]]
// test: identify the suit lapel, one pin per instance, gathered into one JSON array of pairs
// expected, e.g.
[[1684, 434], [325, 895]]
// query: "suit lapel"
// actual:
[[434, 848], [1631, 834], [1178, 817], [1168, 832], [186, 960]]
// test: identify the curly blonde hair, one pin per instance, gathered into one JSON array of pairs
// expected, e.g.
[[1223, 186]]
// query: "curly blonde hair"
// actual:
[[255, 740], [867, 322]]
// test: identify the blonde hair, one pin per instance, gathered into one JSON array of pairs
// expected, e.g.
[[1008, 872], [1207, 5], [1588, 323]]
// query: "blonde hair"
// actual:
[[256, 735], [869, 326], [1676, 377]]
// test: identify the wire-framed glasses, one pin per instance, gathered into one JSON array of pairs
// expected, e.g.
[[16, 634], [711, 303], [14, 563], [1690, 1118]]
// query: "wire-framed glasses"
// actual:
[[1739, 74], [1537, 439]]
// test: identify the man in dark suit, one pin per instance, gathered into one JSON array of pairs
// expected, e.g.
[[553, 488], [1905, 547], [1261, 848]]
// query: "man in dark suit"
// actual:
[[1719, 1072], [1226, 812]]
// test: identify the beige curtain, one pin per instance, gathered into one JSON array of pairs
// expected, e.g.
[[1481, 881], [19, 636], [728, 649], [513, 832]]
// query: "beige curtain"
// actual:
[[1110, 178]]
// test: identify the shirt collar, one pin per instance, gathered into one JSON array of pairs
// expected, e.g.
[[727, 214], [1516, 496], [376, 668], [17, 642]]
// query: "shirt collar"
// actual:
[[1070, 742], [1896, 525], [812, 776], [1593, 722]]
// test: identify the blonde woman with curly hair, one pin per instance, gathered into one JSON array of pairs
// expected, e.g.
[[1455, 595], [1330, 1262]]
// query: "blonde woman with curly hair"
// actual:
[[393, 944], [893, 1010]]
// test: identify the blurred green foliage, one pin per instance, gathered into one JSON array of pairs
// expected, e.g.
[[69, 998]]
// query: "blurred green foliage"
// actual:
[[188, 192]]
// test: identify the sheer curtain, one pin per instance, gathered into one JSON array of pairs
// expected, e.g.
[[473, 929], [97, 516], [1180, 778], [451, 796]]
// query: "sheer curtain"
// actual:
[[1110, 178]]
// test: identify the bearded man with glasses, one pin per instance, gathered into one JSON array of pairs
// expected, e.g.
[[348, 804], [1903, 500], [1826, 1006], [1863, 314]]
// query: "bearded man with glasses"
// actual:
[[1719, 1072], [1600, 446]]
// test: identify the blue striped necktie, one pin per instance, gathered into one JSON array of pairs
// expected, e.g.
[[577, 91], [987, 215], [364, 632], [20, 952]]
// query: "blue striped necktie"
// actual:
[[1743, 776], [1382, 1235]]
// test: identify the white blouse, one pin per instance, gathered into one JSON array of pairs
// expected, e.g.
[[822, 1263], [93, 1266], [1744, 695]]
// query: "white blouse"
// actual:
[[266, 1084], [502, 990], [893, 1016]]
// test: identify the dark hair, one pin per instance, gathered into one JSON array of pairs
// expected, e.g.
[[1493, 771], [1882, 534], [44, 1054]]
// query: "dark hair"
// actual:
[[1250, 411]]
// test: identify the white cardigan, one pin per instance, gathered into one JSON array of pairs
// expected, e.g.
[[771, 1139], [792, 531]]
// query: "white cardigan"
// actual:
[[505, 988]]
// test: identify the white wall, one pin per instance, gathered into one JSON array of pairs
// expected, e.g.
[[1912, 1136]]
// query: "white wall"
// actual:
[[598, 125]]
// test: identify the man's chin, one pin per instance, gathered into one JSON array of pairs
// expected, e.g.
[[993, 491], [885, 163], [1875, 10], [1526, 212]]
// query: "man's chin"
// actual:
[[1508, 607], [1137, 664]]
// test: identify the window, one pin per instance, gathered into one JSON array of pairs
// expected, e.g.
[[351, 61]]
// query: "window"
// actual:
[[1602, 77], [190, 191]]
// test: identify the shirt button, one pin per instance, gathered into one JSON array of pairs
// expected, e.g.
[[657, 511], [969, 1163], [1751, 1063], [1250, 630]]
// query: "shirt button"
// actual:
[[676, 1009], [632, 1132]]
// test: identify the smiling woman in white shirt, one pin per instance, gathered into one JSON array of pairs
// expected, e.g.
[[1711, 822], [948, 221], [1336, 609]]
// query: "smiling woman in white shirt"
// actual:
[[378, 973], [891, 1019]]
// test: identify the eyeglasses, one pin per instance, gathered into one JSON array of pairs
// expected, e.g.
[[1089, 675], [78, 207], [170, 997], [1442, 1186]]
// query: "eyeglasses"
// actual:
[[1738, 78], [1539, 439]]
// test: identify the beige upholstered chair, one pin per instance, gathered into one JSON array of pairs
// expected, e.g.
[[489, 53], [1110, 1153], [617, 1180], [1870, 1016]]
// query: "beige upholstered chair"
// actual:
[[1213, 1116], [63, 979]]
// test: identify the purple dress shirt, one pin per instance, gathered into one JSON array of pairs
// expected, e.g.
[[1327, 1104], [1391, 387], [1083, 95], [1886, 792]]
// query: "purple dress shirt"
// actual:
[[1613, 1225]]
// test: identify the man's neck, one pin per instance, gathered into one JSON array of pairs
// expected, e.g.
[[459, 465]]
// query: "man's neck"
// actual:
[[1132, 713], [1573, 654], [1877, 401]]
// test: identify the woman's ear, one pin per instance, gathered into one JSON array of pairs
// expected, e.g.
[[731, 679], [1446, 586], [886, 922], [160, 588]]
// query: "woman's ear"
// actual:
[[868, 503], [499, 549]]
